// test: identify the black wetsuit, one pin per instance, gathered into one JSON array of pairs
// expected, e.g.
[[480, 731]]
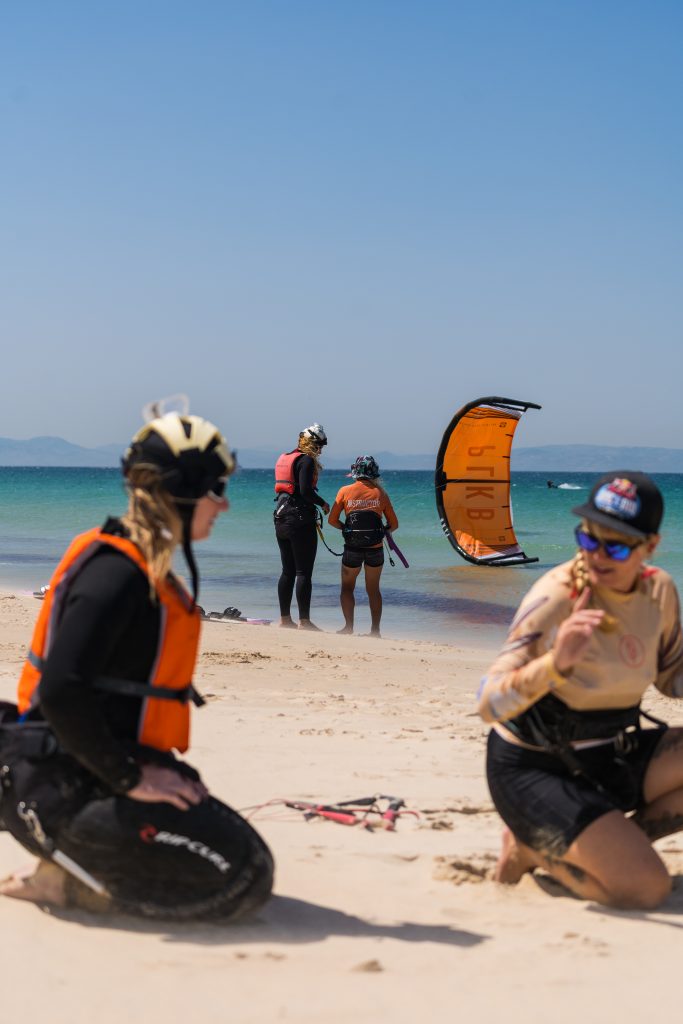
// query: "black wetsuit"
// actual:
[[297, 538], [152, 858]]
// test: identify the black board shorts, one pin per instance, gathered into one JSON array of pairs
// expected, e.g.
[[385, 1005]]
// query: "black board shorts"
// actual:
[[353, 558], [546, 807]]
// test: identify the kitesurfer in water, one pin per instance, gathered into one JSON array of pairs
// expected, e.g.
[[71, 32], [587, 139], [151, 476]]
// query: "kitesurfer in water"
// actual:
[[363, 504], [296, 518], [581, 783], [91, 783]]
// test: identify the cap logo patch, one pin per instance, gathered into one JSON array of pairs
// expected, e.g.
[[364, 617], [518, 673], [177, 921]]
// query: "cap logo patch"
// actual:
[[618, 498]]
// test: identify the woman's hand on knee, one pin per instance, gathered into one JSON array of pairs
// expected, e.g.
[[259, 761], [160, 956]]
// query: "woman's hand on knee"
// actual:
[[164, 785]]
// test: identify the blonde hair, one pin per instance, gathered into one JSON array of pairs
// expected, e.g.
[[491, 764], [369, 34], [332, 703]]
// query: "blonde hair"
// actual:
[[152, 521], [307, 446]]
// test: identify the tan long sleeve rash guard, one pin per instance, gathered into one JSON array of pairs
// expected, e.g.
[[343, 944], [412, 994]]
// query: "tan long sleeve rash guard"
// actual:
[[645, 647]]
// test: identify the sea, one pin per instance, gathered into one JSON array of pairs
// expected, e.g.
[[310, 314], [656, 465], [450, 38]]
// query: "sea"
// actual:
[[440, 597]]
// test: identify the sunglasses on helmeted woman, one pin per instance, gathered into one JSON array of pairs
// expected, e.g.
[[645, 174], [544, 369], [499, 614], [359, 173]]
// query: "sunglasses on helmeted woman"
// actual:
[[217, 492], [617, 550]]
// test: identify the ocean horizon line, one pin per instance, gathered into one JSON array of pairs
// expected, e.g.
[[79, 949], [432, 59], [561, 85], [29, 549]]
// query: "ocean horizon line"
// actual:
[[57, 453]]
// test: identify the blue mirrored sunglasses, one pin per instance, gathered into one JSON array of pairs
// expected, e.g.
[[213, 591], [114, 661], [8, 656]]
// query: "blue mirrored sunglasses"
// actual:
[[617, 550]]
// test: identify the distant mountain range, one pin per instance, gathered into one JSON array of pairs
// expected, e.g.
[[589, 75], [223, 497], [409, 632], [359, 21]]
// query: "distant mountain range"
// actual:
[[550, 458]]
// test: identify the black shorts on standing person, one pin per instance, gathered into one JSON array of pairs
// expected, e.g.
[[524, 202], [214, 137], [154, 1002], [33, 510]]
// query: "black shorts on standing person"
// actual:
[[295, 516]]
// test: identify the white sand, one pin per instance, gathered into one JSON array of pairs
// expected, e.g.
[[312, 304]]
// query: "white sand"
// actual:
[[365, 926]]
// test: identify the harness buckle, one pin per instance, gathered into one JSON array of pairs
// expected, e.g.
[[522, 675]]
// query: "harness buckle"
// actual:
[[626, 740]]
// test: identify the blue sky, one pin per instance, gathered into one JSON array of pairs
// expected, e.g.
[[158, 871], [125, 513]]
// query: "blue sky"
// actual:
[[365, 214]]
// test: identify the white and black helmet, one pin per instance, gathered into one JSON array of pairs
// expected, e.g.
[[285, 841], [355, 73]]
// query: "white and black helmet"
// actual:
[[190, 453], [316, 434], [192, 459]]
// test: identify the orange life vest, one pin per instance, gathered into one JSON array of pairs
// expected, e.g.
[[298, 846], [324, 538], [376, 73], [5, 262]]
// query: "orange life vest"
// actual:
[[284, 473], [165, 719]]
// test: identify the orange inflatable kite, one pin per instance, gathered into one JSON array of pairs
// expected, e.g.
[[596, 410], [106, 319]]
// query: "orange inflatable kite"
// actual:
[[473, 481]]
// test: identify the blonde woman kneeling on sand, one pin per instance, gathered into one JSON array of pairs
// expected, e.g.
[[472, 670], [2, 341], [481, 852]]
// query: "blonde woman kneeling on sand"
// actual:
[[582, 786]]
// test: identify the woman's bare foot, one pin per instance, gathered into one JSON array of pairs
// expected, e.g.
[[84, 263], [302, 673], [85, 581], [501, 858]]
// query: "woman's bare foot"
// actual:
[[307, 624], [286, 622], [44, 883], [514, 861], [345, 631]]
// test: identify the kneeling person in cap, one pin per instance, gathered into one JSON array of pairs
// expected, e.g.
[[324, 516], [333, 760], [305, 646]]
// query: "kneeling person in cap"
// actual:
[[582, 777]]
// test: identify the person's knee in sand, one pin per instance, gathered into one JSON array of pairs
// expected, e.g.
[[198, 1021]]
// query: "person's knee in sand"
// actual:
[[583, 786], [92, 785]]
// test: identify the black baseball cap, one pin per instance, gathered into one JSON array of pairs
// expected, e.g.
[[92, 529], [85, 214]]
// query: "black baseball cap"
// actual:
[[626, 501]]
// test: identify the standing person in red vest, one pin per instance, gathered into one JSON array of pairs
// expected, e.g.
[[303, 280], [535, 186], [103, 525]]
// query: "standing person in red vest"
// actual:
[[295, 515], [363, 503], [91, 783]]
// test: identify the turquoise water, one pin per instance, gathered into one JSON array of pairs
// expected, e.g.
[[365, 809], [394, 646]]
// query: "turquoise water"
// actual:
[[441, 597]]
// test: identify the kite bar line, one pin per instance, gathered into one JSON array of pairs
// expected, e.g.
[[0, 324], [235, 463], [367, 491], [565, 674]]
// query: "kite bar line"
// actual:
[[391, 543], [319, 528]]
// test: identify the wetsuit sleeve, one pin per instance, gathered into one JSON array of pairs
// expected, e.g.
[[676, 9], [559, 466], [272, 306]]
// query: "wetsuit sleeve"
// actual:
[[524, 671], [305, 472], [670, 652], [103, 601], [389, 513]]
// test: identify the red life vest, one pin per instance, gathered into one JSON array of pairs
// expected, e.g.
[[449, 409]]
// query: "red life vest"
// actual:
[[164, 721], [284, 473]]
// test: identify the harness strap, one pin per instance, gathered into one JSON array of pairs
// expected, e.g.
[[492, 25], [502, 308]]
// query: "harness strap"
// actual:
[[130, 688], [36, 661]]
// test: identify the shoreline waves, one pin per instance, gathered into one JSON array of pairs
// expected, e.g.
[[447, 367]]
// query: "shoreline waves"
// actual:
[[440, 598]]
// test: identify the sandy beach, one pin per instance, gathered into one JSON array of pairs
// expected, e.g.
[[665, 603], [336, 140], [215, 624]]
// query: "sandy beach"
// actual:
[[364, 925]]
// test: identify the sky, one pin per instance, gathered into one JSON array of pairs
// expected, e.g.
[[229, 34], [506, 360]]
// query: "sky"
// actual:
[[361, 213]]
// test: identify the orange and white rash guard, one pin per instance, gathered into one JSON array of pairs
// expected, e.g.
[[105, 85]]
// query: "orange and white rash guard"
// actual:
[[360, 496], [645, 647]]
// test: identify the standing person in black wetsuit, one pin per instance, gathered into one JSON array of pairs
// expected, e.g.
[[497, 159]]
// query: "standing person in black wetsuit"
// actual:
[[90, 781], [296, 479]]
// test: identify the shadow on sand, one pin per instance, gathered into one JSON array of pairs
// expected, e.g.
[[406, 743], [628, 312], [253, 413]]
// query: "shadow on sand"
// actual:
[[283, 920], [669, 914]]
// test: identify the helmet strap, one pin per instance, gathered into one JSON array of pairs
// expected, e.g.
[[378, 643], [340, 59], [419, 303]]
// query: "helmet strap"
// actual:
[[186, 512]]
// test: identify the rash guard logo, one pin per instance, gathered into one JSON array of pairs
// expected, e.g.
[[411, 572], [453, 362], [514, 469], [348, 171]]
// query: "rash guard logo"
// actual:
[[631, 650], [151, 834]]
